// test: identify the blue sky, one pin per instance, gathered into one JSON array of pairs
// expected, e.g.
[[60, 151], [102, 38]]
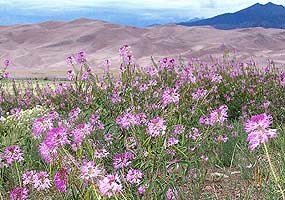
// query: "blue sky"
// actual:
[[131, 12]]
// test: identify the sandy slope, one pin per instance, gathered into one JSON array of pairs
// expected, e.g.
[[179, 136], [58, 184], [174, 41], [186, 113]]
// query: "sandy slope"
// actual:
[[39, 50]]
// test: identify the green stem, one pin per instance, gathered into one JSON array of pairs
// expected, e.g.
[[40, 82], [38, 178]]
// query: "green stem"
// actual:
[[273, 172], [18, 174]]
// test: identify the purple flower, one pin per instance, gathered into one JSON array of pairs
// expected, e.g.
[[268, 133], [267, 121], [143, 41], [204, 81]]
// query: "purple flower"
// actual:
[[19, 193], [122, 160], [282, 79], [217, 116], [60, 180], [156, 127], [134, 176], [88, 171], [73, 114], [169, 96], [47, 154], [6, 63], [101, 153], [27, 177], [56, 137], [41, 125], [258, 130], [13, 154], [172, 141], [41, 181], [81, 57], [110, 185], [141, 190]]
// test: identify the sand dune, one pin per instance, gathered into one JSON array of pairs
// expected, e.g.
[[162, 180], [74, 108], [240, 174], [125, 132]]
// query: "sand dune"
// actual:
[[39, 50]]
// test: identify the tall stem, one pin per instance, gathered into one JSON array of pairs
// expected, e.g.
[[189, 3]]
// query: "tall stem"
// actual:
[[273, 172]]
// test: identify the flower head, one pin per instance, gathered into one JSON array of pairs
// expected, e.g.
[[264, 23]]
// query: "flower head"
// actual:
[[258, 130], [89, 171], [60, 180], [19, 193], [122, 160], [156, 127], [13, 154], [110, 185], [134, 176], [41, 181]]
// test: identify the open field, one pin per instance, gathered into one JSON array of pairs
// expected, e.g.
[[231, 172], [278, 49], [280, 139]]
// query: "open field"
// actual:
[[172, 130]]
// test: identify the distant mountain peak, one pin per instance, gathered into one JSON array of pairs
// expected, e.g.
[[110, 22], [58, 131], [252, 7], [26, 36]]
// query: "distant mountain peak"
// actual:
[[267, 15]]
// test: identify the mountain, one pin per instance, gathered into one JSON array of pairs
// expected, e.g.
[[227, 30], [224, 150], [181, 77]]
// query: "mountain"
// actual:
[[40, 50], [268, 16]]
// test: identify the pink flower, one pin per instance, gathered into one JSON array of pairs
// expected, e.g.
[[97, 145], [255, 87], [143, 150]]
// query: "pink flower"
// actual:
[[282, 79], [41, 181], [101, 153], [156, 127], [141, 190], [47, 154], [13, 154], [41, 125], [6, 63], [172, 141], [81, 57], [73, 114], [169, 96], [258, 130], [134, 176], [171, 195], [60, 180], [56, 137], [110, 185], [19, 193], [122, 160], [89, 171], [217, 116], [27, 177]]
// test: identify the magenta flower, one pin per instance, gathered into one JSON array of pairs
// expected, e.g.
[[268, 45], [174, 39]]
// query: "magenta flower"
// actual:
[[217, 116], [73, 114], [110, 185], [141, 190], [13, 154], [19, 193], [60, 180], [258, 130], [134, 176], [56, 137], [122, 160], [88, 171], [101, 153], [126, 120], [47, 154], [169, 96], [41, 181], [156, 127], [282, 79]]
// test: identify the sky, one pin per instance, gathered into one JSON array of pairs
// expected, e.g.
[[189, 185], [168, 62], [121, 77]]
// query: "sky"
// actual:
[[131, 12]]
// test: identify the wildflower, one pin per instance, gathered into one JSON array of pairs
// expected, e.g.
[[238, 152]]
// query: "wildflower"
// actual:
[[169, 96], [27, 177], [70, 75], [57, 137], [110, 185], [79, 134], [134, 176], [69, 60], [73, 114], [122, 160], [172, 141], [13, 154], [199, 94], [258, 130], [6, 63], [41, 181], [141, 190], [60, 180], [101, 153], [88, 171], [216, 78], [282, 79], [217, 116], [194, 134], [178, 129], [41, 125], [126, 120], [81, 57], [156, 127], [19, 193], [170, 195], [47, 154]]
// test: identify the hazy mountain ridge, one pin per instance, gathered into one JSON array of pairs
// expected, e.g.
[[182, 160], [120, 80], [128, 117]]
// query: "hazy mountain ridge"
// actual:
[[268, 16]]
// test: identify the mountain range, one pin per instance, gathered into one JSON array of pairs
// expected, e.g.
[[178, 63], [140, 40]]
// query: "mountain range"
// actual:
[[268, 16]]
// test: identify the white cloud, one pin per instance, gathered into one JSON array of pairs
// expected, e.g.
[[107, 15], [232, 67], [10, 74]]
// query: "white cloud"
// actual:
[[205, 8]]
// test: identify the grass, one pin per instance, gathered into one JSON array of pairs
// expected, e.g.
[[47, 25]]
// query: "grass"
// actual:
[[118, 115]]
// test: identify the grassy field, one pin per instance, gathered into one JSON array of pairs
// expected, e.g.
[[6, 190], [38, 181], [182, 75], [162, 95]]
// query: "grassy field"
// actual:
[[173, 130]]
